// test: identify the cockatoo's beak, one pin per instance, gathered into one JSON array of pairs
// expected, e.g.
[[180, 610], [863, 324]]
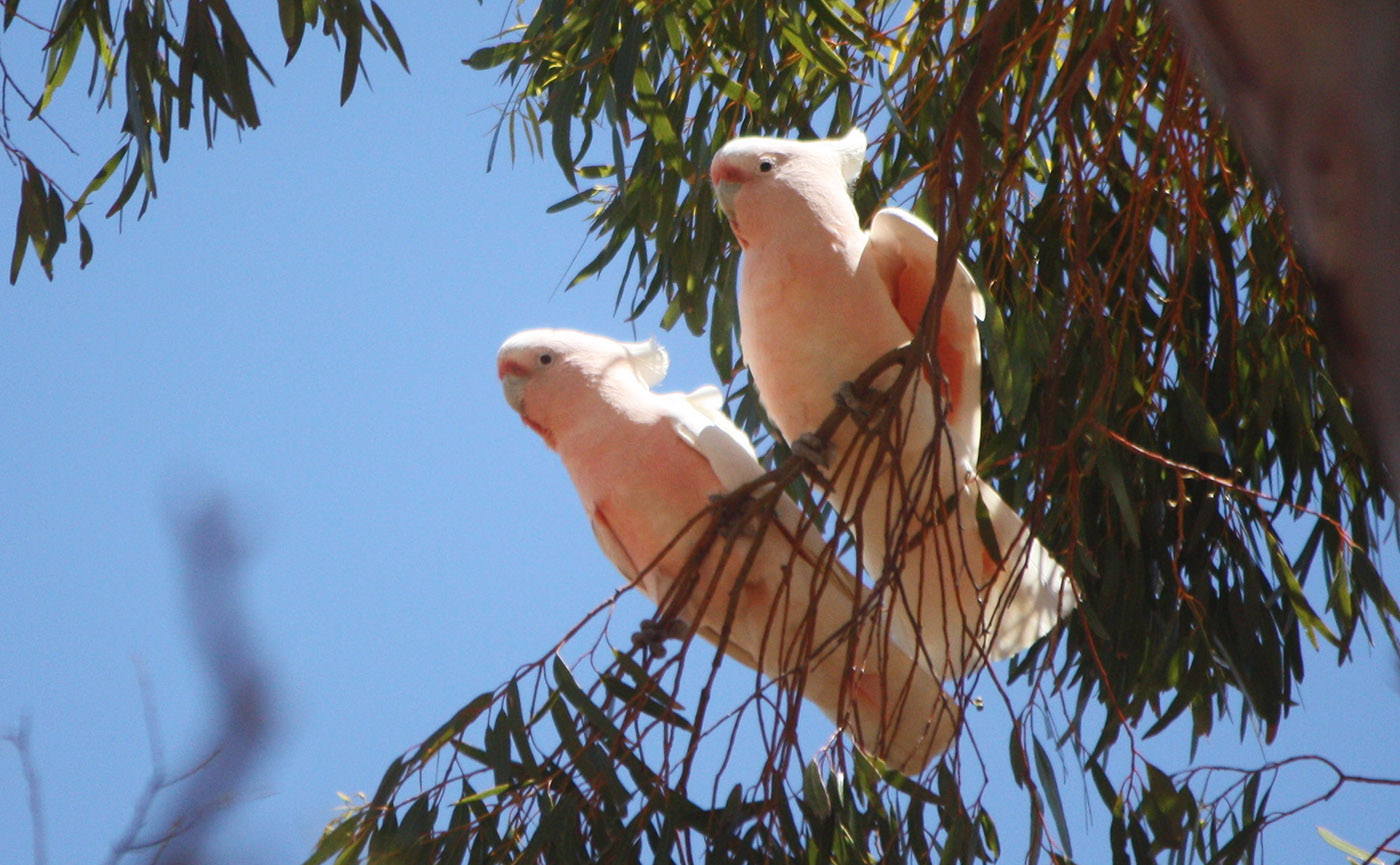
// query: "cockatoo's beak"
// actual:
[[725, 190], [512, 382], [514, 388]]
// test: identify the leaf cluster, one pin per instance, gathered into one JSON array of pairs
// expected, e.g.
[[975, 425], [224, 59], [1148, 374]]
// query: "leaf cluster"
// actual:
[[155, 76], [553, 768], [567, 778], [1161, 406]]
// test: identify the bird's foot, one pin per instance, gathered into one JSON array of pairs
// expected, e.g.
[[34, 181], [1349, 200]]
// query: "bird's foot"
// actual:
[[731, 514], [859, 407], [812, 448], [652, 635]]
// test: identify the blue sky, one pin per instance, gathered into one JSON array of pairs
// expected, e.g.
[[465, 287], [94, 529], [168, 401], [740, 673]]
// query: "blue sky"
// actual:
[[308, 320]]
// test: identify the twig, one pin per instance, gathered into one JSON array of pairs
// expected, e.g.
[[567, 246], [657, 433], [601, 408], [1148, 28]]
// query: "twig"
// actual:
[[33, 113], [156, 783], [1225, 483], [1342, 779], [23, 19], [20, 739]]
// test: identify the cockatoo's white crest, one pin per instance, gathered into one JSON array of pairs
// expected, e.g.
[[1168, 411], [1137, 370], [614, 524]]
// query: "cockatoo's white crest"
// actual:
[[851, 146], [649, 359]]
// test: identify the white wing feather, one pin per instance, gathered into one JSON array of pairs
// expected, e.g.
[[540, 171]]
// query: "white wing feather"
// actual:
[[702, 423], [895, 231], [700, 420]]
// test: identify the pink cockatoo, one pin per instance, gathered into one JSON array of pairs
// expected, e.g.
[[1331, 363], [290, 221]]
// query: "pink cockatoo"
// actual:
[[646, 465], [820, 301]]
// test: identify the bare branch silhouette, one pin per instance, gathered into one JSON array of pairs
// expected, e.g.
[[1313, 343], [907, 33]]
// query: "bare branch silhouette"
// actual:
[[20, 739]]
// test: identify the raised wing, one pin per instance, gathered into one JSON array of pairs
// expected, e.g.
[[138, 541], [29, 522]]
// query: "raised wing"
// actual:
[[906, 255]]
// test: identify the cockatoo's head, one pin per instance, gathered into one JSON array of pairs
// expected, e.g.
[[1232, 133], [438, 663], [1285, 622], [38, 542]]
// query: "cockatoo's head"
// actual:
[[765, 183], [546, 372]]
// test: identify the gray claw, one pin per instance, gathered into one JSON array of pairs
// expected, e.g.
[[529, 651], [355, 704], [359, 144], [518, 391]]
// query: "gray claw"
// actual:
[[733, 519], [814, 450], [846, 397]]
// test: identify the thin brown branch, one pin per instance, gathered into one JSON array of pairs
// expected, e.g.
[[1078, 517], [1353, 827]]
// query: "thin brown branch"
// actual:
[[10, 83], [9, 10], [1226, 483], [1341, 780]]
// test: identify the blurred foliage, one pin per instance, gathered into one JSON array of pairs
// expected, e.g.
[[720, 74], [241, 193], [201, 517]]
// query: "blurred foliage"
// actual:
[[144, 71], [1162, 408]]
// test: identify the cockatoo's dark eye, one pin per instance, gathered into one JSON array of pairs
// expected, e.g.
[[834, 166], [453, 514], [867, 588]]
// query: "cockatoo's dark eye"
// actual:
[[546, 359], [766, 165]]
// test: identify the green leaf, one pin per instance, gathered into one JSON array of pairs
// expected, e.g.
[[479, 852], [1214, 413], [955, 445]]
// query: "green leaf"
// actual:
[[814, 792], [1020, 771], [62, 50], [648, 704], [576, 199], [352, 28], [513, 720], [455, 726], [58, 226], [1046, 773], [64, 22], [390, 35], [1107, 793], [235, 42], [419, 820], [1197, 417], [837, 15], [568, 686], [99, 179], [293, 20], [336, 840], [485, 794], [600, 261], [240, 92], [124, 196], [561, 113], [990, 839], [84, 246], [388, 784], [493, 55], [1362, 856], [383, 839], [1165, 807], [21, 237], [653, 112], [1296, 599], [1112, 472], [1369, 581], [37, 212]]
